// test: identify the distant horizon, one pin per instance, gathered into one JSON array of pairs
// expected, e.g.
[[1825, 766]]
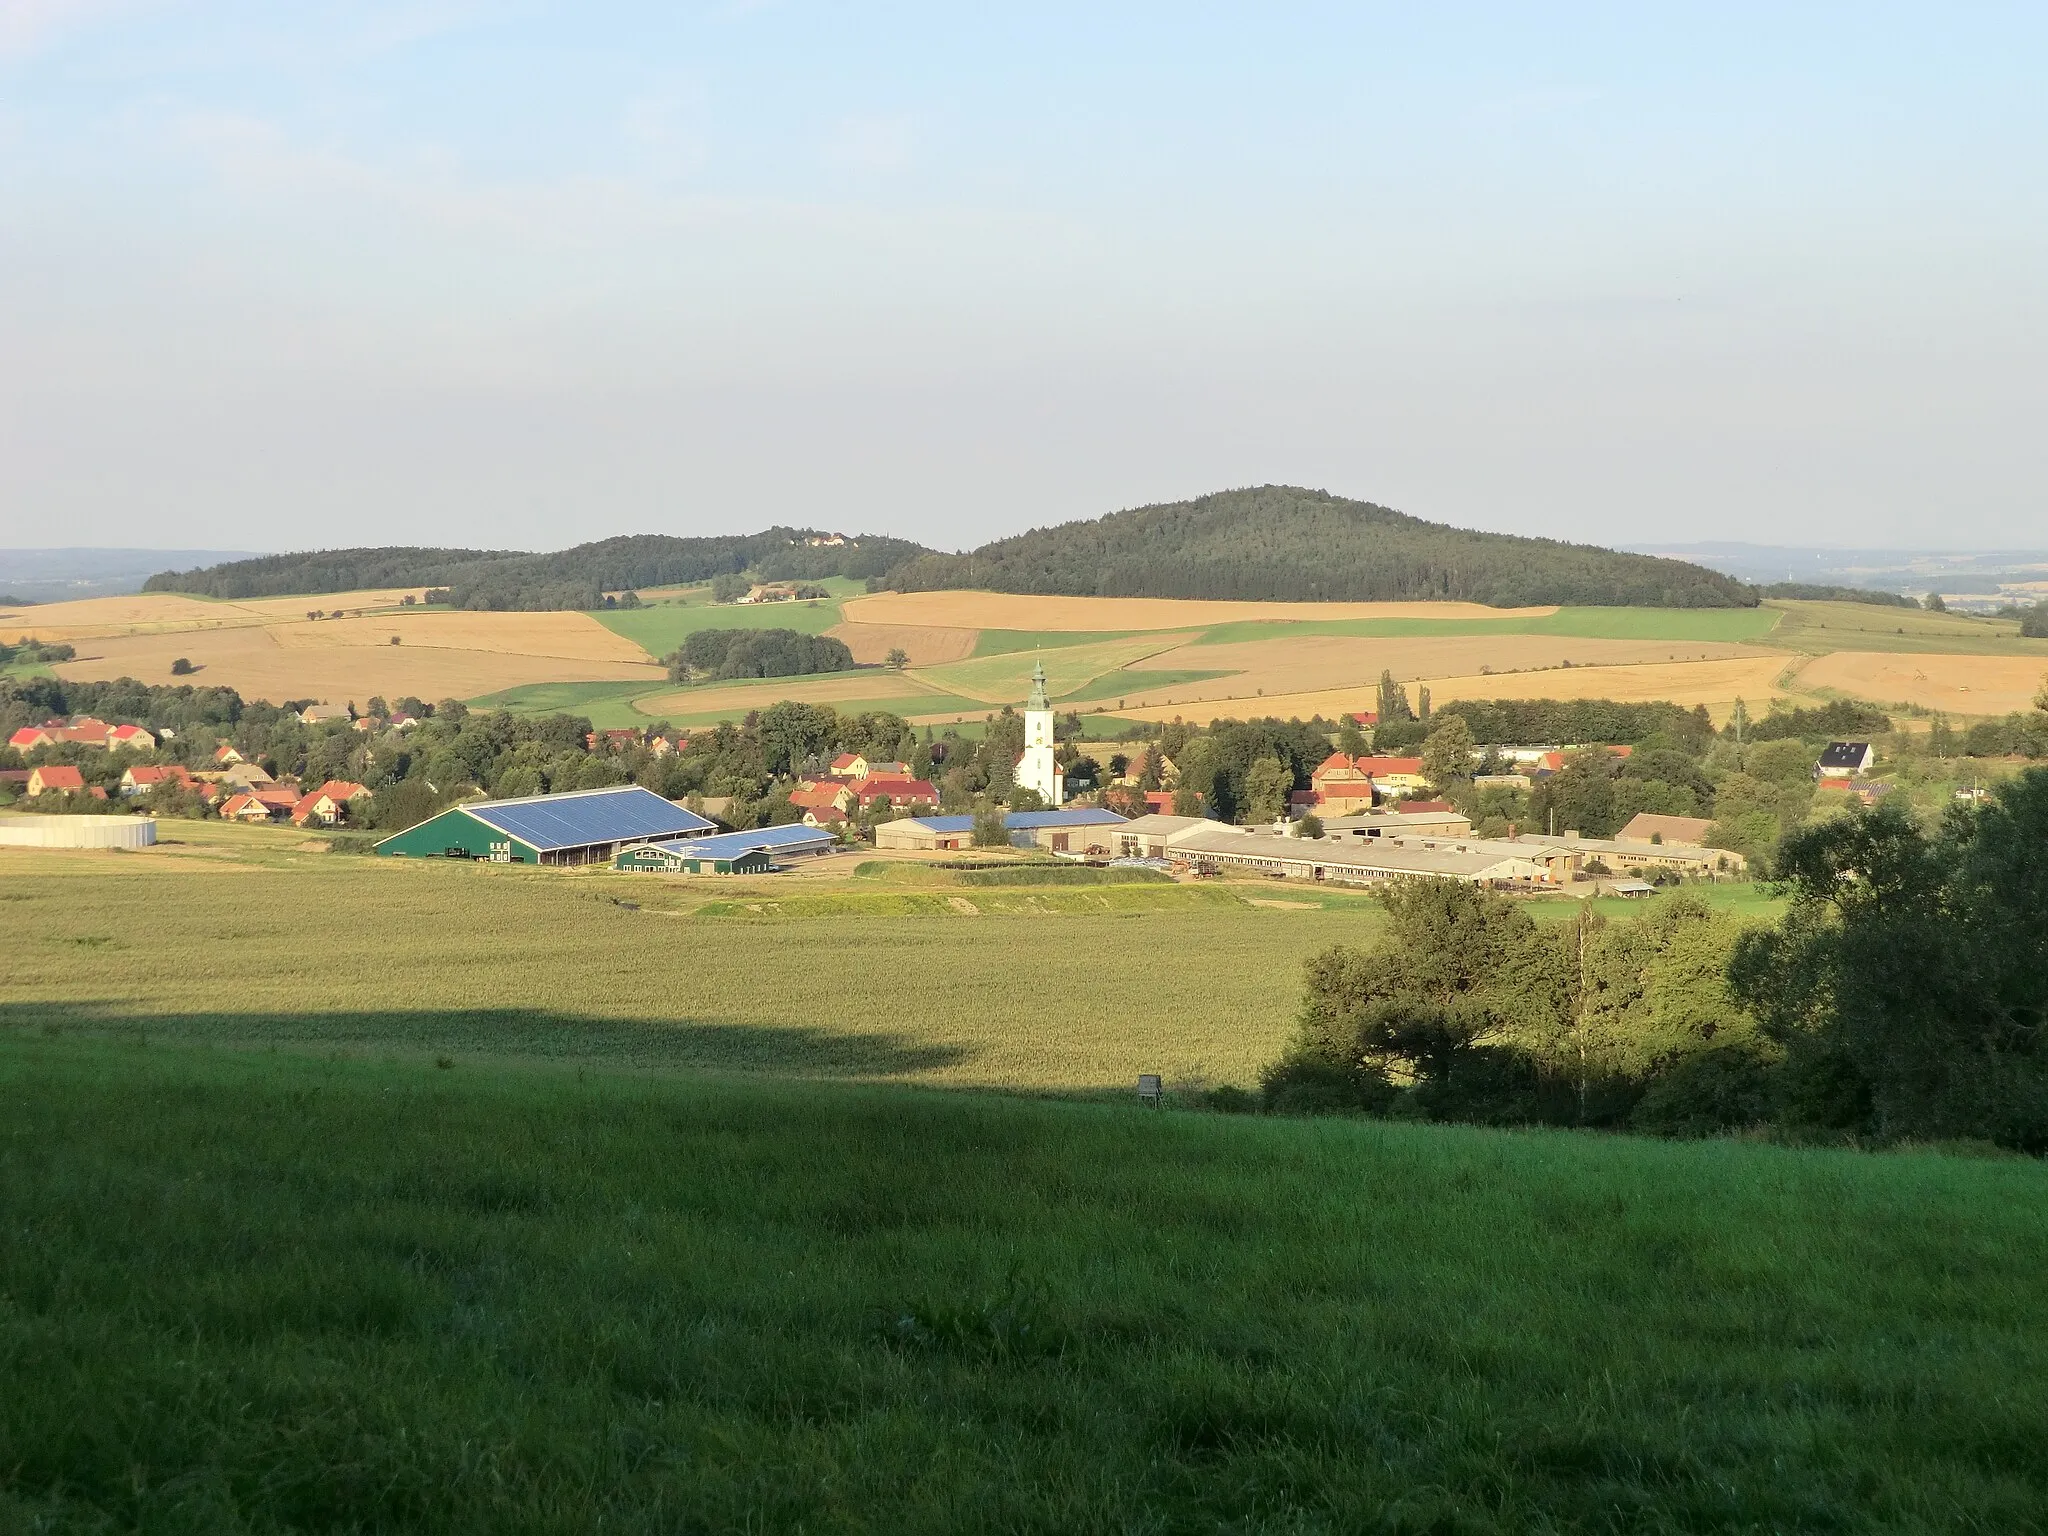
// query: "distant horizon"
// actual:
[[343, 273]]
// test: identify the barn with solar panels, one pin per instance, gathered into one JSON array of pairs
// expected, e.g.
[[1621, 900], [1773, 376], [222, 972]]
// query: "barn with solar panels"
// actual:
[[729, 853], [586, 826]]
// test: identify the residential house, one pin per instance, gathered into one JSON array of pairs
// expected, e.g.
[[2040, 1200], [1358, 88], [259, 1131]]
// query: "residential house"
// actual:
[[144, 778], [321, 714], [29, 737], [54, 779], [1845, 757], [329, 805], [247, 775], [133, 737], [875, 788], [225, 756], [245, 807], [819, 794]]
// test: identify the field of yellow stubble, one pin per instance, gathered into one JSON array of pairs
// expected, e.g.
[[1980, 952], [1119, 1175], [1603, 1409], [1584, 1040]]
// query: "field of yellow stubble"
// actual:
[[1961, 685], [441, 654], [1752, 677], [927, 645]]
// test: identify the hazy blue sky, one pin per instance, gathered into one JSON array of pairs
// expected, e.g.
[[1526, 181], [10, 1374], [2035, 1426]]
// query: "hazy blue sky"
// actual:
[[278, 275]]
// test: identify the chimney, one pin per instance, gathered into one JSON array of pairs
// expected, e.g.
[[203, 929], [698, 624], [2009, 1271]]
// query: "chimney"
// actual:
[[1571, 837]]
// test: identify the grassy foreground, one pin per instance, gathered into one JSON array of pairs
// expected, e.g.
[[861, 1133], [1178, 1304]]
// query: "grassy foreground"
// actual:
[[246, 1292]]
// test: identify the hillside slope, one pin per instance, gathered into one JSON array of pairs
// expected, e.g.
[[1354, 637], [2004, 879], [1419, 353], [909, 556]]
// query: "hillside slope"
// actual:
[[1277, 542], [568, 578]]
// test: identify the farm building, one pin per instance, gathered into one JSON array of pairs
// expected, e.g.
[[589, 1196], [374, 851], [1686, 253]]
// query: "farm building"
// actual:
[[1681, 831], [728, 853], [1351, 861], [1844, 757], [1027, 829], [582, 827], [1398, 824]]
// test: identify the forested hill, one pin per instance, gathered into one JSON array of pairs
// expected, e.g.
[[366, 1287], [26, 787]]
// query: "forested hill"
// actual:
[[1279, 543], [569, 578]]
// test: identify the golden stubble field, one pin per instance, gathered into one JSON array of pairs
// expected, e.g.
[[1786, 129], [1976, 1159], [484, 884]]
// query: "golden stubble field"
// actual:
[[269, 649], [1963, 685], [927, 645], [1716, 684]]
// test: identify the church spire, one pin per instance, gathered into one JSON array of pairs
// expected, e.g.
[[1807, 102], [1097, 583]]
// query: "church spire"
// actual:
[[1037, 699]]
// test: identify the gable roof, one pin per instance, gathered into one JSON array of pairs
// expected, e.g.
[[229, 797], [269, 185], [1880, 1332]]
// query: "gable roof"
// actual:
[[1845, 754], [58, 776], [730, 845], [626, 813]]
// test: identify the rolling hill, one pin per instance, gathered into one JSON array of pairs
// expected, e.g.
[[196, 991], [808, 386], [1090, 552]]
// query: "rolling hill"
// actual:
[[1270, 543], [568, 578], [1281, 543]]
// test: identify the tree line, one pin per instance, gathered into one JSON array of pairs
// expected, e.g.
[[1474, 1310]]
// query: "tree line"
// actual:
[[513, 580]]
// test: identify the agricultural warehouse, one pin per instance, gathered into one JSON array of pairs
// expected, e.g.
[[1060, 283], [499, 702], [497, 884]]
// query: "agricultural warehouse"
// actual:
[[729, 853], [1354, 862], [582, 827], [1026, 829]]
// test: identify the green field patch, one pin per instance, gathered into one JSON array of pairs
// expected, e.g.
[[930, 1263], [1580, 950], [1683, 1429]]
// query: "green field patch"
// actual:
[[608, 706], [906, 704], [1126, 684], [662, 626], [1001, 642], [252, 1291], [1006, 679], [1818, 627]]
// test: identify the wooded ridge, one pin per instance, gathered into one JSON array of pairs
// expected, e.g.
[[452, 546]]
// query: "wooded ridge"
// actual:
[[1267, 543]]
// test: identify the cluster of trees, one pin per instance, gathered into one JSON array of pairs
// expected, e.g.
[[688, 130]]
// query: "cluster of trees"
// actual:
[[1280, 542], [33, 651], [1904, 995], [1814, 591], [709, 654], [1836, 720], [1535, 722], [511, 580]]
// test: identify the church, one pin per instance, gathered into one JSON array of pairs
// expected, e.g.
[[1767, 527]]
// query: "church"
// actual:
[[1039, 767]]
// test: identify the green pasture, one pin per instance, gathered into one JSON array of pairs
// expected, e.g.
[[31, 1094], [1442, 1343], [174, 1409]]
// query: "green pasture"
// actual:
[[663, 625], [608, 705], [267, 1292], [1006, 678], [1002, 642], [1817, 628], [1125, 683]]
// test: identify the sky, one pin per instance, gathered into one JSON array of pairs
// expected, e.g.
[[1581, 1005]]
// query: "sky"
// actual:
[[512, 274]]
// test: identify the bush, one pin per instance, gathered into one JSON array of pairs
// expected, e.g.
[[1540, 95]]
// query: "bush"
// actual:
[[1715, 1091], [1313, 1085], [1231, 1100]]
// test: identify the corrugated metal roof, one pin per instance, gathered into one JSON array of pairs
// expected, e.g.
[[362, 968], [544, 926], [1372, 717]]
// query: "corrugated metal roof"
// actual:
[[1079, 816], [627, 813], [794, 838]]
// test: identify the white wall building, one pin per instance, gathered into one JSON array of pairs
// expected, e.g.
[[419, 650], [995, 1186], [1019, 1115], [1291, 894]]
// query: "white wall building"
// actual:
[[1039, 767]]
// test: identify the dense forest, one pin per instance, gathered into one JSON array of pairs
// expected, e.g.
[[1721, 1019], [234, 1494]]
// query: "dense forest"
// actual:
[[509, 580], [1821, 592], [1279, 543]]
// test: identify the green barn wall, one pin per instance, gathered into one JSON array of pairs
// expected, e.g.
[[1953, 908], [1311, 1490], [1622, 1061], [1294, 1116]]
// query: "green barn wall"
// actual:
[[453, 828]]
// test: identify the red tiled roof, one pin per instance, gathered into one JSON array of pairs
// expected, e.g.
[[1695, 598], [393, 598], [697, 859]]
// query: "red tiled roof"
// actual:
[[58, 776], [1379, 765], [29, 736]]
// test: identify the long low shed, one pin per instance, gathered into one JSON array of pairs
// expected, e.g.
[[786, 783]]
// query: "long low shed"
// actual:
[[586, 826], [1363, 862], [728, 853], [1047, 829]]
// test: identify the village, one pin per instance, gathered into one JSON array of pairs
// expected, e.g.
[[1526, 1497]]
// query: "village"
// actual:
[[1362, 819]]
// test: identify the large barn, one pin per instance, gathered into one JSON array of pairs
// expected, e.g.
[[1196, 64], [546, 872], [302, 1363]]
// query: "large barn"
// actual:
[[729, 853], [587, 826]]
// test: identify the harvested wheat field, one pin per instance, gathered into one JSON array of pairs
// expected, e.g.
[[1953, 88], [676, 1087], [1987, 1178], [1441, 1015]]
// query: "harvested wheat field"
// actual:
[[1010, 610], [1962, 685], [927, 645], [143, 613], [735, 699], [1312, 663], [1716, 684], [310, 661]]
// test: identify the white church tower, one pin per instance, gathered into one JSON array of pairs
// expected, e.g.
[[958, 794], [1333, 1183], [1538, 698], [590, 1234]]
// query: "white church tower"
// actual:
[[1039, 767]]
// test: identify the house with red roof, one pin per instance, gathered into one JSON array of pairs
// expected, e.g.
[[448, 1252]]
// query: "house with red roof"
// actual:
[[225, 756], [55, 779], [29, 737], [245, 807], [876, 787], [817, 794], [133, 737], [146, 777], [328, 806]]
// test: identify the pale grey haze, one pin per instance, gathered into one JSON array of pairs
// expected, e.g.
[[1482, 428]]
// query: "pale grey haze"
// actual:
[[524, 274]]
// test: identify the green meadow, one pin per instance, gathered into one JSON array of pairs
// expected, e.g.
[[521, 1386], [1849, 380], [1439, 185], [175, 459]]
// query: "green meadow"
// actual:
[[257, 1292]]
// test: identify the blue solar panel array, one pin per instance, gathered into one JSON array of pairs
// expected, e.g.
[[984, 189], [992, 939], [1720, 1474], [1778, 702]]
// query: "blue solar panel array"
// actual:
[[1079, 816], [795, 838], [551, 822]]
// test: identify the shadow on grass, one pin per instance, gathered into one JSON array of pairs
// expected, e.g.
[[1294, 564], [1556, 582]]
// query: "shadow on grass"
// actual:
[[799, 1050]]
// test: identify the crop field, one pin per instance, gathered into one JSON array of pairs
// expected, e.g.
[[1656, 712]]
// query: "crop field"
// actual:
[[251, 1291], [1962, 685], [1116, 659]]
